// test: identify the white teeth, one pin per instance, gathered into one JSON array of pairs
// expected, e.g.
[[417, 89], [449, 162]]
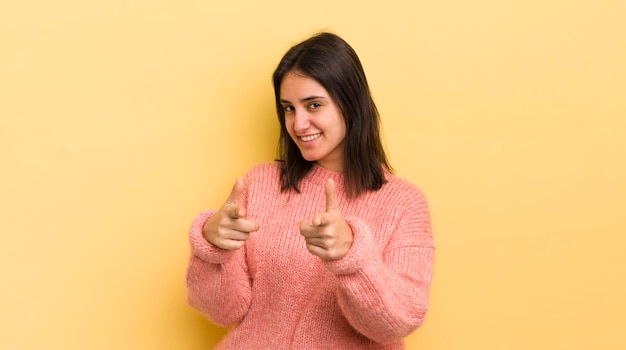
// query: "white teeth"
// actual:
[[310, 137]]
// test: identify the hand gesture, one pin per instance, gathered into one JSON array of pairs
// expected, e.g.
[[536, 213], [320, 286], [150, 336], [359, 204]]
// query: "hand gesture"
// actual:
[[328, 236], [228, 228]]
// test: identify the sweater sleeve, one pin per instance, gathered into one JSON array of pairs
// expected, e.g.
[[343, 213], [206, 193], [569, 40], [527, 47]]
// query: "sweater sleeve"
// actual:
[[384, 294], [218, 282]]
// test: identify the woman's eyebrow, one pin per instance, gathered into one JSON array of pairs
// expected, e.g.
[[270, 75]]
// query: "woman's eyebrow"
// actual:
[[282, 100]]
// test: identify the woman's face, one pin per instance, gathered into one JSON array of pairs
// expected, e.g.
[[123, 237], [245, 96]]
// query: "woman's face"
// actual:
[[313, 120]]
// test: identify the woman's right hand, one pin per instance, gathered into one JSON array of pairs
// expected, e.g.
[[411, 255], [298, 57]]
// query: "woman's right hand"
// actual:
[[228, 228]]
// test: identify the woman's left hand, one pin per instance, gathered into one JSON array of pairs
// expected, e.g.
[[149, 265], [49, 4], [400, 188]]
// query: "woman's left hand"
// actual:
[[328, 236]]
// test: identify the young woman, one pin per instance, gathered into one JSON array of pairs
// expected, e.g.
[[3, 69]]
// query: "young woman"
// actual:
[[324, 248]]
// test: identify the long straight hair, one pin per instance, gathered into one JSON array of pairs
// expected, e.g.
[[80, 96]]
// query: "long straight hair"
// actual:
[[333, 63]]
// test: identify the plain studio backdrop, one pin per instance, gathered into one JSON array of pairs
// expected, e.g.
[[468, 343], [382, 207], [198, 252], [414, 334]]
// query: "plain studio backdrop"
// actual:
[[121, 120]]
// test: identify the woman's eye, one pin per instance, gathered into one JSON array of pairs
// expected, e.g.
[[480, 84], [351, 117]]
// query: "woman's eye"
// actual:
[[314, 105], [288, 108]]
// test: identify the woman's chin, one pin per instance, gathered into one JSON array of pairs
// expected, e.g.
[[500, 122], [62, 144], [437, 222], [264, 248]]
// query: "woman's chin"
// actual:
[[309, 157]]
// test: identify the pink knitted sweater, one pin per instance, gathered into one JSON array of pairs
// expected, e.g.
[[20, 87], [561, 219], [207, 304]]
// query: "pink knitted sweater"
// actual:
[[276, 295]]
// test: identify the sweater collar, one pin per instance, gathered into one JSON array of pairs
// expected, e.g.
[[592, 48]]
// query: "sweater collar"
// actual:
[[318, 175]]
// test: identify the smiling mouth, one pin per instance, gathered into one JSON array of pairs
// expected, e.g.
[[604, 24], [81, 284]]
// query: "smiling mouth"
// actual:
[[310, 137]]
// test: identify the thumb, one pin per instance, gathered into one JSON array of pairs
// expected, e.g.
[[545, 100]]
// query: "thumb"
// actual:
[[235, 194], [234, 199], [331, 196]]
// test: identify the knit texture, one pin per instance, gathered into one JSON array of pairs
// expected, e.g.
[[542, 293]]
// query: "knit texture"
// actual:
[[274, 294]]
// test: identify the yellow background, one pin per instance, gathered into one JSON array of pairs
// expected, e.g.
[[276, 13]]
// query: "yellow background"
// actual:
[[120, 120]]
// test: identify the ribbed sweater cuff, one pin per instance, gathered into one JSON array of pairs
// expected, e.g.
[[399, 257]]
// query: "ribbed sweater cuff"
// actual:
[[359, 252], [200, 247]]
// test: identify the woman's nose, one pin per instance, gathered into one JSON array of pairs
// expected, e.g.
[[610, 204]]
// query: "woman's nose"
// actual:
[[301, 122]]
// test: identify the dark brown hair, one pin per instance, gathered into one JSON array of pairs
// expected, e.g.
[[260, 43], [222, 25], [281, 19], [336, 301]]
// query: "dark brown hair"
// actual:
[[333, 63]]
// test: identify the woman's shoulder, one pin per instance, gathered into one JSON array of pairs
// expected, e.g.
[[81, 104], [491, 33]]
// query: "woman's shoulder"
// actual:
[[400, 187], [264, 170]]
